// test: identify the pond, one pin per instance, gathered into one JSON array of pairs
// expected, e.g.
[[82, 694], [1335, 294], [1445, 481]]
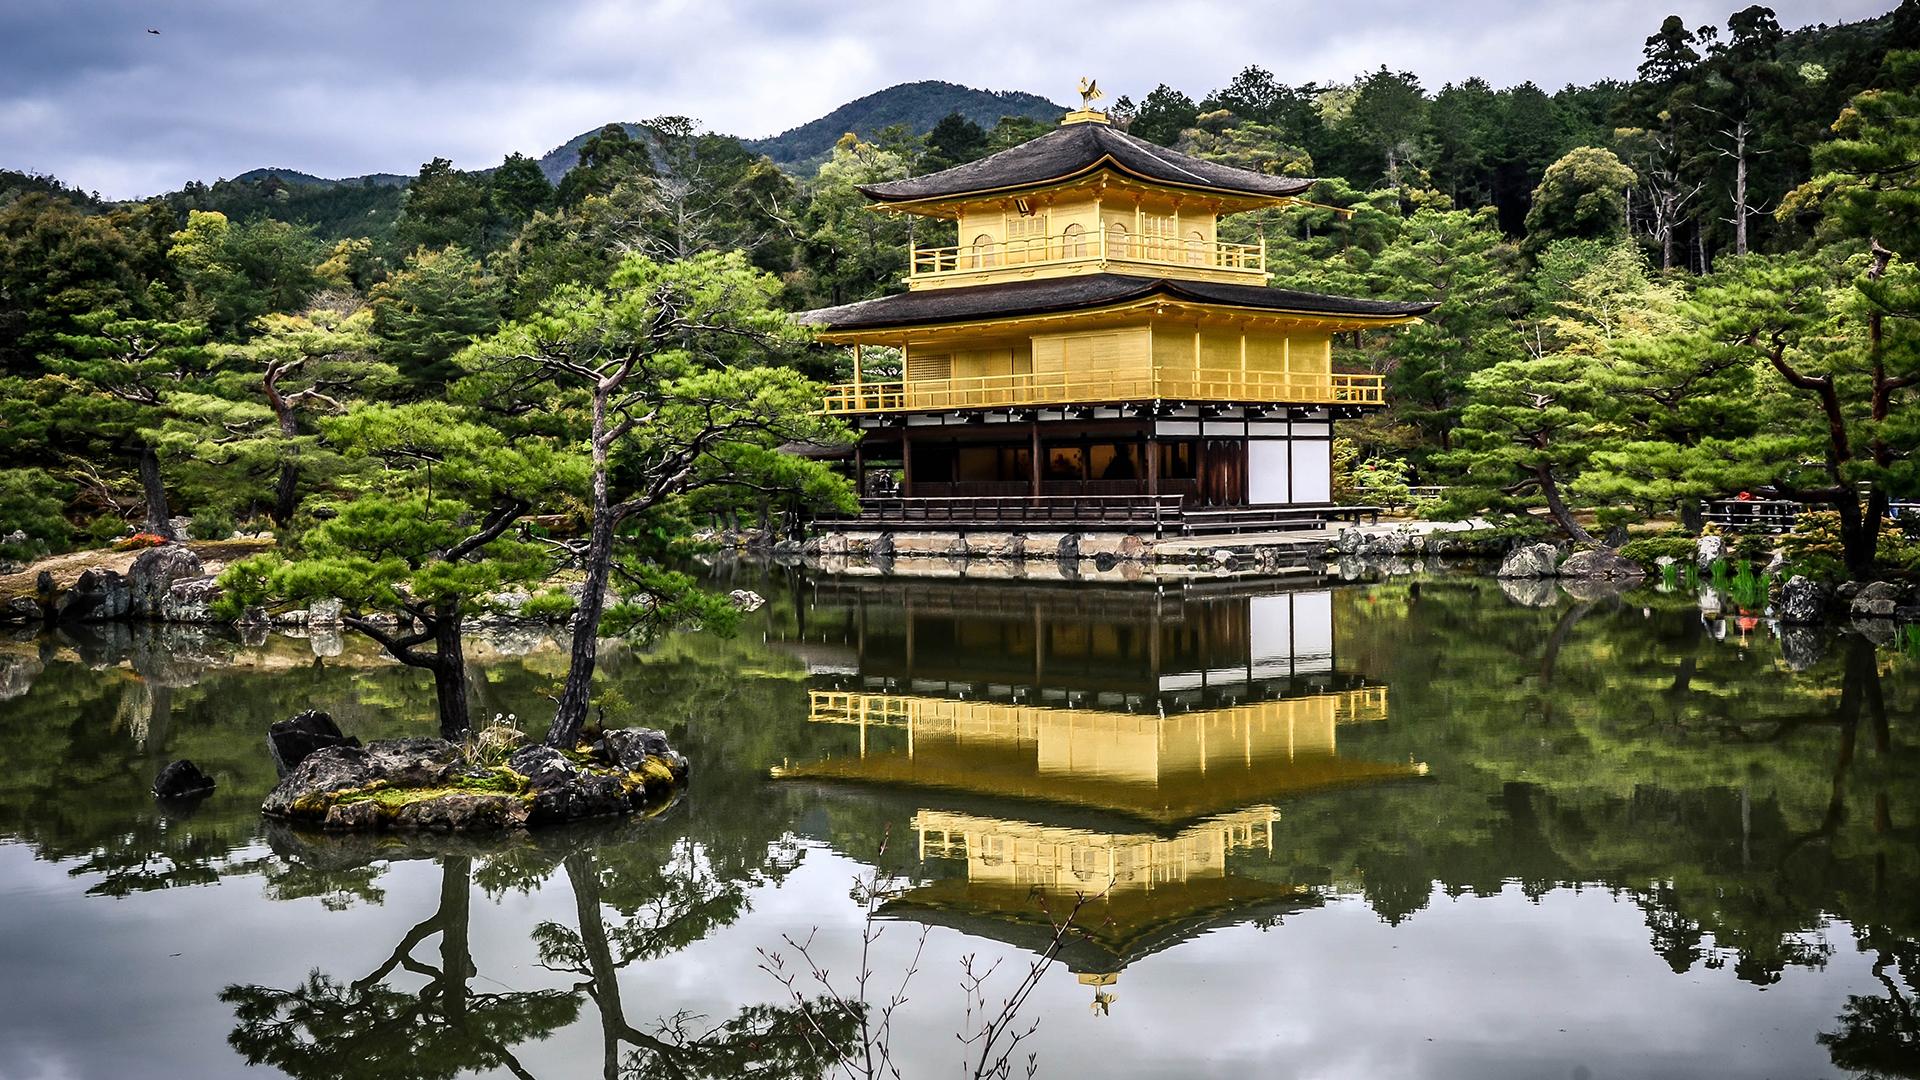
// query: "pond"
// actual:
[[1417, 826]]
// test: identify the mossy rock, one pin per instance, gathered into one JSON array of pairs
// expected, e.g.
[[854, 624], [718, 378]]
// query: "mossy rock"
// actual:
[[426, 784]]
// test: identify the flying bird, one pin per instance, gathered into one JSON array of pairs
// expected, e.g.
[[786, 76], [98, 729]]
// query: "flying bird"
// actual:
[[152, 31]]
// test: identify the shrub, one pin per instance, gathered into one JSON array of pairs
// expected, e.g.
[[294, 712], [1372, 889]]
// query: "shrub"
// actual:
[[103, 529], [1648, 549], [32, 504], [211, 523], [1898, 549], [1815, 534]]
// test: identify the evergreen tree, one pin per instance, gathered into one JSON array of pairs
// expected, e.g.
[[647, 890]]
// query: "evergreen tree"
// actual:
[[662, 365], [421, 543], [429, 309], [955, 140], [113, 386], [1583, 195], [1163, 115]]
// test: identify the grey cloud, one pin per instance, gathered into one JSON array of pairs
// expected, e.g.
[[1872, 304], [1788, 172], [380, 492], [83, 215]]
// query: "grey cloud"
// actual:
[[367, 86]]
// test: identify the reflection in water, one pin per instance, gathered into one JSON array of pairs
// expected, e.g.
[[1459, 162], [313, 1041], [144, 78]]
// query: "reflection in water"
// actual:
[[1191, 715], [367, 1027], [1375, 790]]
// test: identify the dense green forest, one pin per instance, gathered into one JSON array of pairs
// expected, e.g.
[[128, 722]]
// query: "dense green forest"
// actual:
[[1694, 281]]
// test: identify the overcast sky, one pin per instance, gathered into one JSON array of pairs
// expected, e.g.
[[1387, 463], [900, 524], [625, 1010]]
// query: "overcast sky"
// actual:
[[356, 86]]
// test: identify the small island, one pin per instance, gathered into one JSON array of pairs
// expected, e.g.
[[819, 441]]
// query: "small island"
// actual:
[[493, 782]]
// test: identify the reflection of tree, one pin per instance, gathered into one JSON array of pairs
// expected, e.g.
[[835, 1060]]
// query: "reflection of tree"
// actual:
[[683, 905], [1727, 792], [328, 1028], [1880, 1036]]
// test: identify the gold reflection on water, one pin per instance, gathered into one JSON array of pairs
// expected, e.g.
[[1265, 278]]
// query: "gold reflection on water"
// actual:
[[1167, 769], [1070, 861]]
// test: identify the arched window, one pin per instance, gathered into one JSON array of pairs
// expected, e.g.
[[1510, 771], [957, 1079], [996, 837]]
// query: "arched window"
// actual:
[[982, 250], [1117, 246], [1073, 242], [1197, 248]]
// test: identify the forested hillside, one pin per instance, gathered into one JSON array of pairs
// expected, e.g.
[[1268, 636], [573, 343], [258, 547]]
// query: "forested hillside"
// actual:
[[1693, 280], [915, 106]]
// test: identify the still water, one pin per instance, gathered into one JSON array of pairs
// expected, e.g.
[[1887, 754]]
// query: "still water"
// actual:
[[1420, 828]]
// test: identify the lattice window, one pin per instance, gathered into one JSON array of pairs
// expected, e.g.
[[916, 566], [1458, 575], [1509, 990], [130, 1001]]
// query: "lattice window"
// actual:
[[929, 366]]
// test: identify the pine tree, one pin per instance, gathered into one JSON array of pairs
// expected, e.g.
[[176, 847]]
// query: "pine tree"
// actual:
[[423, 540]]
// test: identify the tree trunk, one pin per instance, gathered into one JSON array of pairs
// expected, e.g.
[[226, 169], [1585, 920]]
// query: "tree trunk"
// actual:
[[450, 677], [1740, 188], [286, 493], [570, 715], [456, 954], [1550, 489], [159, 517], [1860, 531], [599, 955]]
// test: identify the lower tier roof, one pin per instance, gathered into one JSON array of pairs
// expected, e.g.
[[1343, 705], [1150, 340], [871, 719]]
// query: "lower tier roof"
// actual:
[[1049, 296]]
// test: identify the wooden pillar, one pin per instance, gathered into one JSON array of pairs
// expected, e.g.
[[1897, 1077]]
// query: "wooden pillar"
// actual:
[[860, 466], [1034, 471], [1200, 464], [906, 462], [1153, 461]]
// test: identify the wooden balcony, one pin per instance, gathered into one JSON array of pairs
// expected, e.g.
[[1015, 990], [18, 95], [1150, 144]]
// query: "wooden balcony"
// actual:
[[1061, 388], [1092, 250]]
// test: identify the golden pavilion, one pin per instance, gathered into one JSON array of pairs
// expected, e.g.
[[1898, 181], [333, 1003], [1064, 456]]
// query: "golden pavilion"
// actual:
[[1092, 336]]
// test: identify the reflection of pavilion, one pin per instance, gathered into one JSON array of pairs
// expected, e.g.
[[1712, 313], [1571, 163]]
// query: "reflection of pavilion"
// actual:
[[1129, 746]]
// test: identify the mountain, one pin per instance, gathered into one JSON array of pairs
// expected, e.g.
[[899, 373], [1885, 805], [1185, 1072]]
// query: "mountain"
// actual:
[[296, 177], [918, 105]]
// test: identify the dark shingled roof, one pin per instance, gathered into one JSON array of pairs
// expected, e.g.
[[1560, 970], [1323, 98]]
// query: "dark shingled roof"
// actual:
[[1050, 295], [1074, 149]]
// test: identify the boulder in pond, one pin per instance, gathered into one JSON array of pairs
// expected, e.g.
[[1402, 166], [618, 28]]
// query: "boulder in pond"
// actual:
[[1708, 550], [1876, 600], [153, 573], [630, 748], [99, 596], [1600, 564], [182, 780], [746, 600], [20, 609], [190, 600], [1530, 561], [544, 767], [290, 741], [1802, 602]]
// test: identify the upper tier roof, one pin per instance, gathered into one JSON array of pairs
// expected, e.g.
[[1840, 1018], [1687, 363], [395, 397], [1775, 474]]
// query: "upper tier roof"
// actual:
[[1054, 295], [1075, 150]]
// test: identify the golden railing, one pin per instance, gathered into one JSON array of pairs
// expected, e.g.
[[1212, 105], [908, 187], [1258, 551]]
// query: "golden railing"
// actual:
[[1062, 388], [1091, 246], [1367, 704]]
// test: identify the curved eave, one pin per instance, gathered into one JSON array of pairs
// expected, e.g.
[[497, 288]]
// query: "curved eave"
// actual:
[[1334, 322], [930, 205]]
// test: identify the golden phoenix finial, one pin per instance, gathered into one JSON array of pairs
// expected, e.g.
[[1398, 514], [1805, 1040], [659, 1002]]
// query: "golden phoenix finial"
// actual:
[[1090, 92]]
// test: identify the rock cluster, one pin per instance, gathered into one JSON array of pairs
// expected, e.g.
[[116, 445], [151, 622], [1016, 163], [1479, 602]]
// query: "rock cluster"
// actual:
[[1592, 564], [1530, 561], [431, 784]]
